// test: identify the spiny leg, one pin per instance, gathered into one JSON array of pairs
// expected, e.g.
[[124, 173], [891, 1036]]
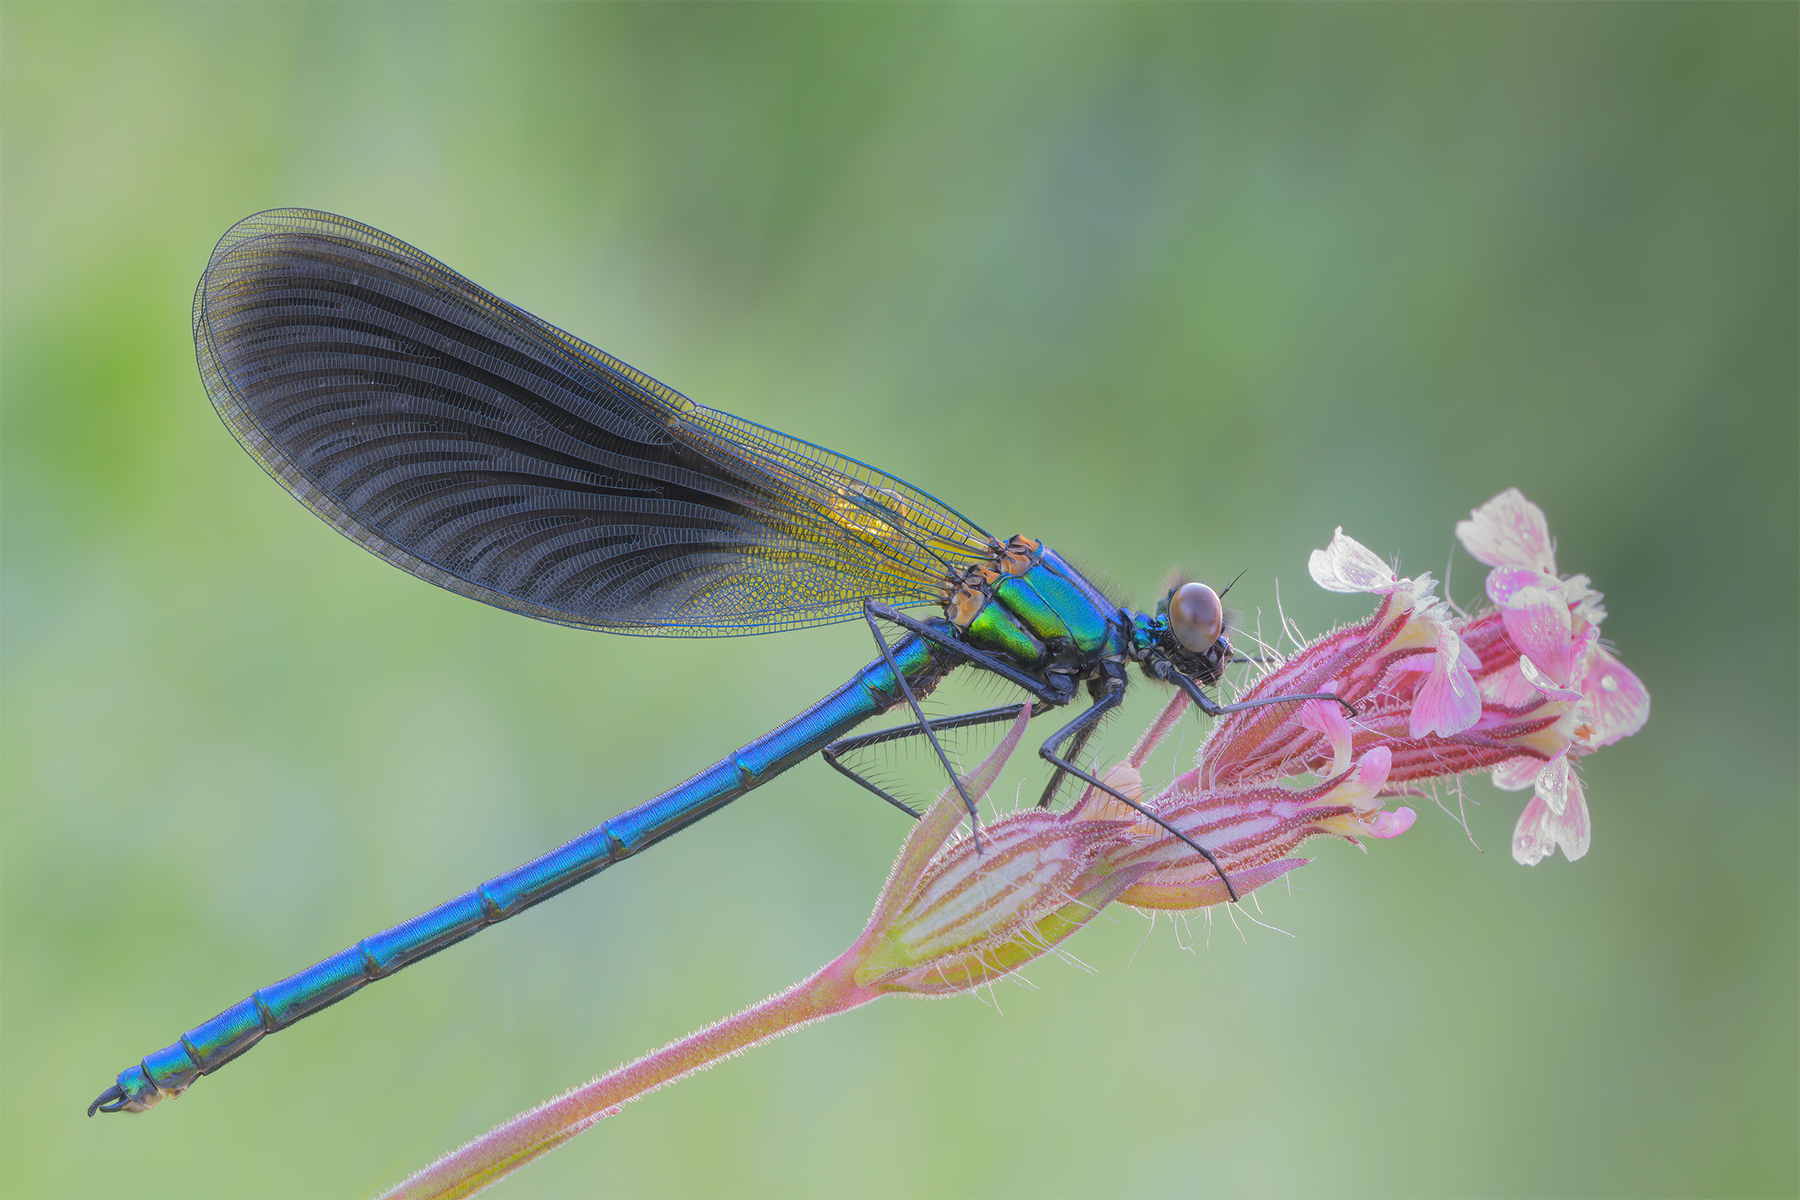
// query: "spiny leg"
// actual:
[[1055, 691], [905, 686], [1100, 707], [1045, 691], [986, 716], [1212, 708], [1074, 752]]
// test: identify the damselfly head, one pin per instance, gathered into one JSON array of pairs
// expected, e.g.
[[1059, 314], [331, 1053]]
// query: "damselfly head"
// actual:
[[1196, 617], [1189, 632]]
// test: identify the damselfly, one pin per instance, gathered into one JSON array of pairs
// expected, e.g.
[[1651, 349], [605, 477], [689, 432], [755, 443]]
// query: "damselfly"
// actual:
[[466, 441]]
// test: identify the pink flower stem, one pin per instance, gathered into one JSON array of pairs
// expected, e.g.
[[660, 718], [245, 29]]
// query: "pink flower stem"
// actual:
[[530, 1135]]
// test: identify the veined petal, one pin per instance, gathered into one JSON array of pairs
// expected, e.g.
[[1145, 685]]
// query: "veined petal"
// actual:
[[1392, 824], [1571, 828], [1542, 682], [1538, 624], [1618, 704], [1532, 836], [1509, 531], [1579, 592], [1329, 720], [1466, 653], [1251, 831], [1517, 774], [1349, 566], [1360, 790], [1509, 687], [1363, 788], [1540, 831], [1502, 582], [1448, 702], [1553, 783]]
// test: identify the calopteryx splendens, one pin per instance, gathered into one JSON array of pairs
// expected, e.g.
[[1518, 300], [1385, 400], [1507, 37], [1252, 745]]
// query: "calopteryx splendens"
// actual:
[[480, 448]]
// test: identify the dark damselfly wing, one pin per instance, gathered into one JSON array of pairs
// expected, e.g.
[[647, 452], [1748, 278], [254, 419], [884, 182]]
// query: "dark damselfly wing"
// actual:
[[487, 451]]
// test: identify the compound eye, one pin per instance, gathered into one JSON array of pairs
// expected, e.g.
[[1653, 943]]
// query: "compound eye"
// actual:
[[1196, 617]]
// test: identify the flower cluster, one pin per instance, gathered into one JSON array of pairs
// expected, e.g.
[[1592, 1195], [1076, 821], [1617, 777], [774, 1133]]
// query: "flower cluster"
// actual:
[[1549, 690], [1521, 689]]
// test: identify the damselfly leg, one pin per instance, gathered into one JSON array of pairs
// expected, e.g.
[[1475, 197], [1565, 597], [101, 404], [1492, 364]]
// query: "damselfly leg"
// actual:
[[1074, 752], [1213, 708], [833, 753], [1105, 703], [887, 656]]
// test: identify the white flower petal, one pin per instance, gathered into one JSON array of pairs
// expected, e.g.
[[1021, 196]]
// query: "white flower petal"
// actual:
[[1617, 701], [1578, 590], [1544, 683], [1502, 582], [1571, 828], [1509, 687], [1349, 566], [1517, 774], [1509, 531], [1532, 838], [1553, 785], [1538, 624]]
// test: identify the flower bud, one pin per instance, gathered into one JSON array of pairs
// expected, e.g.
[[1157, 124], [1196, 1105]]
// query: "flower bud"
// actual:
[[979, 914], [958, 913]]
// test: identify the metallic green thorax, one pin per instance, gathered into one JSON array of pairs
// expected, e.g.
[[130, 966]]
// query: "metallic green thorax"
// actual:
[[1045, 613], [996, 629]]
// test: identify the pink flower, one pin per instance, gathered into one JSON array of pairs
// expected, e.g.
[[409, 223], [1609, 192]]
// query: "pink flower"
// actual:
[[1543, 667], [1405, 659], [1522, 690]]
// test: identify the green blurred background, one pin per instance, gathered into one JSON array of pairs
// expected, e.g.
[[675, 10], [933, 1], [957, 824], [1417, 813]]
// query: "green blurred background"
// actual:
[[1163, 285]]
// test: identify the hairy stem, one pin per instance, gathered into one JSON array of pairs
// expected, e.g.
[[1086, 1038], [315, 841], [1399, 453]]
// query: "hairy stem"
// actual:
[[530, 1135]]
